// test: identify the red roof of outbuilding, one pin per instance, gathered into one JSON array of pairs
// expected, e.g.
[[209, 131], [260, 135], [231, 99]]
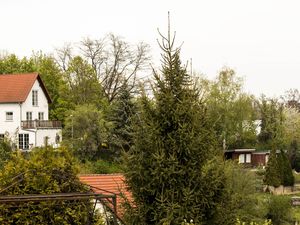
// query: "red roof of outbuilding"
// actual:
[[108, 184], [16, 87]]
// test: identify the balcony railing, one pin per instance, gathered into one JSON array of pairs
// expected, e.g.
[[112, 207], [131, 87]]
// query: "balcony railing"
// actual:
[[33, 124]]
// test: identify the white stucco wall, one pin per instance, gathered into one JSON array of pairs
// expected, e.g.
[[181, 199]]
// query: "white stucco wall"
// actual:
[[9, 126], [50, 133], [42, 103], [13, 128]]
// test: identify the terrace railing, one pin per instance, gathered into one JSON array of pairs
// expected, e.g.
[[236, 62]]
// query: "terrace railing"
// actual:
[[34, 124]]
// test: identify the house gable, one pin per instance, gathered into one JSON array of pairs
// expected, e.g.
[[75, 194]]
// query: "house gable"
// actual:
[[15, 88], [24, 111]]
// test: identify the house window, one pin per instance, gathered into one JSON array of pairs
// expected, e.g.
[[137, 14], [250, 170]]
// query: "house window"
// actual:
[[41, 116], [1, 137], [28, 115], [9, 116], [248, 158], [242, 158], [266, 159], [24, 141], [35, 98]]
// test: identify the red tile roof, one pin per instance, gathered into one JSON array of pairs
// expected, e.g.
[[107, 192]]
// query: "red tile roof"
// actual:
[[16, 87], [108, 184]]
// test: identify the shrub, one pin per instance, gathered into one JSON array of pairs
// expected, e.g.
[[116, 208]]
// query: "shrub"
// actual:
[[101, 167], [279, 210], [5, 152]]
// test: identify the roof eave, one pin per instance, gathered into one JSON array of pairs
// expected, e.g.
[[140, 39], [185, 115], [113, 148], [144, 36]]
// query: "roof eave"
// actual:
[[44, 89]]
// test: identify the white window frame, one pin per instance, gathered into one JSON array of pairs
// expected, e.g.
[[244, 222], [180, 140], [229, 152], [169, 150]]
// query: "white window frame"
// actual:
[[267, 158], [29, 116], [242, 158], [9, 117], [35, 101], [41, 115], [248, 158], [24, 141]]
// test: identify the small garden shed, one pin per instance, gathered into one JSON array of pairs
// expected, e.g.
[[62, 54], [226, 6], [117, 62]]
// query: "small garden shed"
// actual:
[[249, 157]]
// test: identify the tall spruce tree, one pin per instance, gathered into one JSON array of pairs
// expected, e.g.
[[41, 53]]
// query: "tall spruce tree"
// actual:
[[287, 177], [170, 169], [278, 170], [273, 175], [122, 111]]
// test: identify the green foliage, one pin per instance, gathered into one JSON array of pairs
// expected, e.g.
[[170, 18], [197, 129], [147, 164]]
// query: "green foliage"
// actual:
[[47, 171], [113, 60], [272, 124], [122, 111], [294, 155], [52, 77], [278, 170], [292, 135], [273, 174], [49, 72], [296, 214], [287, 177], [244, 202], [170, 169], [101, 167], [10, 64], [279, 210], [82, 83], [231, 111], [5, 151], [86, 132]]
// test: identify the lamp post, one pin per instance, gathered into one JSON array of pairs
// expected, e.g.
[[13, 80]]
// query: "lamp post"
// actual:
[[72, 130]]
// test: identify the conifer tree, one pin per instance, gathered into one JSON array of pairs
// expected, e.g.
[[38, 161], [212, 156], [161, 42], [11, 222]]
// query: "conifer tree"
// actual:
[[123, 108], [273, 175], [279, 170], [287, 177], [171, 170]]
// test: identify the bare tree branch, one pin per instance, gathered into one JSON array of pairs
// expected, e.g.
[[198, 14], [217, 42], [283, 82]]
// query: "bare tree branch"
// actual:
[[114, 61]]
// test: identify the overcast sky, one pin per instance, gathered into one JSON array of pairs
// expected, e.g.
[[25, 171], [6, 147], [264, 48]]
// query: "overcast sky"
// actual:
[[259, 39]]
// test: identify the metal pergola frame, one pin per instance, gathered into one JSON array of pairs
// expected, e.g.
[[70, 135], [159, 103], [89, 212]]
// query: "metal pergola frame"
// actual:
[[15, 199]]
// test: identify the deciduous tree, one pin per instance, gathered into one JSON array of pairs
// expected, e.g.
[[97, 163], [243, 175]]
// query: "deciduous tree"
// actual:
[[47, 171], [113, 60], [231, 111], [86, 131]]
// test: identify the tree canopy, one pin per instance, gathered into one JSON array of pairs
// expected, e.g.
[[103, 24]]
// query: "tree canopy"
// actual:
[[230, 110], [44, 171]]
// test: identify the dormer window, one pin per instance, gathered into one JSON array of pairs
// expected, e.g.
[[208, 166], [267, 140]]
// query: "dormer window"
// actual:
[[34, 98]]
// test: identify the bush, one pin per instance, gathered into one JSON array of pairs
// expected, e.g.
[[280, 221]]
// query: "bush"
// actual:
[[5, 152], [279, 210], [43, 171], [245, 203], [101, 167], [286, 170]]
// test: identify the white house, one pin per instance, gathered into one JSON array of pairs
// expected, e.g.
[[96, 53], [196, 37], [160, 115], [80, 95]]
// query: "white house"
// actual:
[[24, 113]]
